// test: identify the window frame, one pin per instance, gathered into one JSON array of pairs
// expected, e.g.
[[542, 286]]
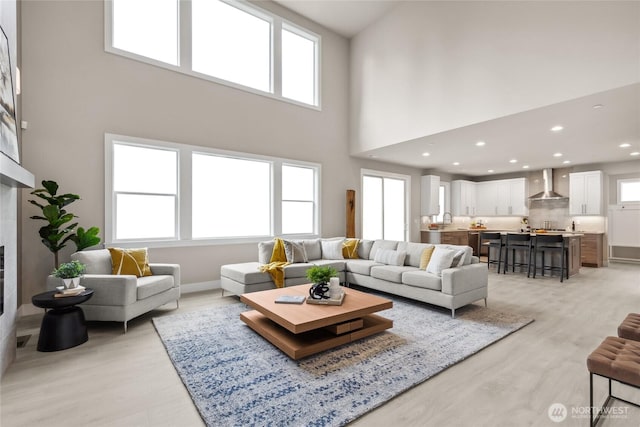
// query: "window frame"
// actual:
[[619, 187], [184, 235], [316, 195], [185, 50], [407, 197]]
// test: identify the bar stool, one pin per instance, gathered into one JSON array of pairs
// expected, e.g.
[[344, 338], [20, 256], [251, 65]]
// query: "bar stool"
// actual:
[[553, 244], [493, 241], [521, 243]]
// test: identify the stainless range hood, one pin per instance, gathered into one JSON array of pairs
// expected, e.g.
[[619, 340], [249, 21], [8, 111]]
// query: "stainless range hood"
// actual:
[[548, 193]]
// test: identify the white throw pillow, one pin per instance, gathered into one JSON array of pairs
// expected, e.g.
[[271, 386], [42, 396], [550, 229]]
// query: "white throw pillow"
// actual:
[[440, 260], [332, 249], [390, 257]]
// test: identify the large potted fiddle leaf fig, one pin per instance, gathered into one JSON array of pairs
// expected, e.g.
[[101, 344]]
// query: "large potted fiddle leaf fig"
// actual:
[[59, 227]]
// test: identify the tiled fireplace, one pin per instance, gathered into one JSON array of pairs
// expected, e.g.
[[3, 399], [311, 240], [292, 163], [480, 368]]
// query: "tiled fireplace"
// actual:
[[12, 178]]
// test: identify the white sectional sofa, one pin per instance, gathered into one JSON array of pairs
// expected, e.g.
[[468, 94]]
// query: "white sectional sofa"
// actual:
[[444, 286]]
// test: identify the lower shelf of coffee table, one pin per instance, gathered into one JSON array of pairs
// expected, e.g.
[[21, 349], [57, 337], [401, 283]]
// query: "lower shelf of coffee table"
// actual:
[[297, 346]]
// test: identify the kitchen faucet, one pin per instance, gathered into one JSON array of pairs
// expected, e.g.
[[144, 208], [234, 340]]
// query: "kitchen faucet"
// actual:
[[444, 215]]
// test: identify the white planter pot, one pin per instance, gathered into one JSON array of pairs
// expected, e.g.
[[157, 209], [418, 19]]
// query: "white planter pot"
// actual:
[[71, 283]]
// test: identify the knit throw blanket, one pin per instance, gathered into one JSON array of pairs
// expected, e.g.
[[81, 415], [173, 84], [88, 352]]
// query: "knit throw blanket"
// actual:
[[278, 261]]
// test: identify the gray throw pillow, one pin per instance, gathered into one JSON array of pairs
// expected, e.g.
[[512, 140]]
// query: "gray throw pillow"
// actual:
[[265, 250], [295, 252], [390, 257]]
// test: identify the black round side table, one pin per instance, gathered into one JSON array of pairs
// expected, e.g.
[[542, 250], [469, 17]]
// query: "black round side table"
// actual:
[[63, 325]]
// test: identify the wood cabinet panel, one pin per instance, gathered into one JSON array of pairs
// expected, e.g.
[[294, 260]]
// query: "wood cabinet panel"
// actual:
[[592, 248], [445, 237]]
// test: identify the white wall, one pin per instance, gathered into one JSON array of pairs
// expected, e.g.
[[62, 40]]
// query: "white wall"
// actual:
[[74, 92], [429, 67]]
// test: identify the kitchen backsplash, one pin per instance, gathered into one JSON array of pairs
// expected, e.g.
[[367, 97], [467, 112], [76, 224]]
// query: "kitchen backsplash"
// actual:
[[555, 211]]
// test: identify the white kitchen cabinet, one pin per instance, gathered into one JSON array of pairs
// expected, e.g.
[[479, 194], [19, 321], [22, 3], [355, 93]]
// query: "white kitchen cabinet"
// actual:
[[486, 198], [463, 198], [502, 198], [518, 202], [585, 193], [430, 195]]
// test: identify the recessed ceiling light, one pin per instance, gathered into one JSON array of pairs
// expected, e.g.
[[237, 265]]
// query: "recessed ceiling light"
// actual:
[[456, 163], [525, 167], [635, 153], [624, 145], [425, 154], [557, 154], [490, 171], [557, 128], [598, 106], [480, 144], [566, 162], [513, 161]]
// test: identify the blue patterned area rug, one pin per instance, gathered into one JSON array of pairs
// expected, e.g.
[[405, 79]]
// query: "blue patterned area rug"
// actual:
[[236, 378]]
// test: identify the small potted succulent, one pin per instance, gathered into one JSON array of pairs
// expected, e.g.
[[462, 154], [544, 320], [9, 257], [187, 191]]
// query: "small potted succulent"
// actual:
[[70, 273], [320, 277]]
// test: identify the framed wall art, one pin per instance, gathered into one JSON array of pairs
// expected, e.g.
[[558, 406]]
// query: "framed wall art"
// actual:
[[8, 129]]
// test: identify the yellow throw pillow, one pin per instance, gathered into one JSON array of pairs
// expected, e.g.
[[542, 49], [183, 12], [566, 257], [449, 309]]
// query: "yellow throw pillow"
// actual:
[[133, 262], [426, 257], [350, 249]]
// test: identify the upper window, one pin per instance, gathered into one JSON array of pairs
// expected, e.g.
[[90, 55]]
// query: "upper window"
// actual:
[[629, 191], [298, 65], [231, 44], [175, 193], [226, 41], [158, 39]]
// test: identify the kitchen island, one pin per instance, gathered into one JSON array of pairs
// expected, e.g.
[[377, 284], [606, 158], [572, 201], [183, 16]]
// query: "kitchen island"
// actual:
[[470, 238]]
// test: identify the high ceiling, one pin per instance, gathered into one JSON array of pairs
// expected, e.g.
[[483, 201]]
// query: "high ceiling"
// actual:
[[590, 135], [345, 17]]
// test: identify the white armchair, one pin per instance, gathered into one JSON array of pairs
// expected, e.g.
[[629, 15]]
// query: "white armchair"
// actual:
[[120, 298]]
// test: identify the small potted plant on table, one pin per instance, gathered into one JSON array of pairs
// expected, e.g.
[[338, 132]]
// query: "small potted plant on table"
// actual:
[[70, 273], [320, 277]]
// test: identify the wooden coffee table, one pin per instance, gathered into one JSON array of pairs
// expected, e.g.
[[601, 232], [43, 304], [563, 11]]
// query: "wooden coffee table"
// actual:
[[300, 330]]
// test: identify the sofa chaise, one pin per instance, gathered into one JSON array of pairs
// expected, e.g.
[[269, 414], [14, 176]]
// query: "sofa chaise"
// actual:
[[389, 266]]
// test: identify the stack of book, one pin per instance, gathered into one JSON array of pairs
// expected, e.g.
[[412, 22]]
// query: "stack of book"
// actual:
[[71, 292]]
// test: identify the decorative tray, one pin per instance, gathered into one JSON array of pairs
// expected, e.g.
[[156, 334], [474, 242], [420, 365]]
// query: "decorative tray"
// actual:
[[330, 301]]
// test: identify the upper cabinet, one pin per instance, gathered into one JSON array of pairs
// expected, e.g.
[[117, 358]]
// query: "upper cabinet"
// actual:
[[429, 196], [585, 193], [463, 198], [487, 198], [502, 198], [514, 201]]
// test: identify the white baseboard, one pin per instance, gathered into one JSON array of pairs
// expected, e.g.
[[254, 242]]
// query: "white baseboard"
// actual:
[[29, 310], [187, 288]]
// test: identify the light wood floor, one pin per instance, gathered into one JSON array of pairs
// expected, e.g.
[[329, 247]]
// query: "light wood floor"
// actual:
[[128, 380]]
